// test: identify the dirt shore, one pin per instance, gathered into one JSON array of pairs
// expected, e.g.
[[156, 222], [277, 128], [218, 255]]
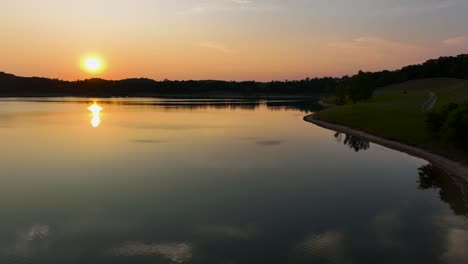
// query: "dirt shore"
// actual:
[[451, 167]]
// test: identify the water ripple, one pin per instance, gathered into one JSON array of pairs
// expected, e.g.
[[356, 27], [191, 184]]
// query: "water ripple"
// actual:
[[328, 245], [176, 252]]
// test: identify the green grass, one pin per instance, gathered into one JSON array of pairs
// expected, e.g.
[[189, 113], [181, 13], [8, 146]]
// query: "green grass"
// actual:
[[395, 112], [456, 93]]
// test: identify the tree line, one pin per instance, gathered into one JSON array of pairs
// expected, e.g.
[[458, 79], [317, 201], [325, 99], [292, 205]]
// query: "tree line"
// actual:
[[11, 85], [355, 88], [361, 86]]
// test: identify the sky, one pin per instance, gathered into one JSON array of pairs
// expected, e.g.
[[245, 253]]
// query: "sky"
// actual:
[[226, 39]]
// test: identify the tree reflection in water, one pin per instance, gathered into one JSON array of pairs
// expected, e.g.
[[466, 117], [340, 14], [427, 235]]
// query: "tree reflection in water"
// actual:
[[352, 142], [451, 190]]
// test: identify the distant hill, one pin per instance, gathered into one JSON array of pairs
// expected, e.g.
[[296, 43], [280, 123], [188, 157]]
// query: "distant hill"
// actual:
[[15, 86], [443, 67]]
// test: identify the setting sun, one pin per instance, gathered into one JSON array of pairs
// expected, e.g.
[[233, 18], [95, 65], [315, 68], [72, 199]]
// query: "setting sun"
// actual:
[[93, 64]]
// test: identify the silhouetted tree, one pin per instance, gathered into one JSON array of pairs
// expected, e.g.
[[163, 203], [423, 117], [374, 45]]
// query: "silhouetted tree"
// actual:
[[361, 86]]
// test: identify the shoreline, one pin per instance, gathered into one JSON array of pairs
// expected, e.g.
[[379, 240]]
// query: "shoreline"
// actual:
[[451, 167]]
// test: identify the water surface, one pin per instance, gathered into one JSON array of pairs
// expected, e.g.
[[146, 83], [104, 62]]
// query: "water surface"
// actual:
[[209, 181]]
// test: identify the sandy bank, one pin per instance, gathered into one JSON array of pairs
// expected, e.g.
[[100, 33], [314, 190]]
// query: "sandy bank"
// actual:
[[451, 167]]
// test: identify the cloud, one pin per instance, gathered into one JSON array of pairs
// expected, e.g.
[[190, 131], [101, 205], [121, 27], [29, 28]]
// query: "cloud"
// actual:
[[242, 1], [456, 41], [195, 10], [227, 6], [377, 53], [215, 46], [424, 7], [374, 43]]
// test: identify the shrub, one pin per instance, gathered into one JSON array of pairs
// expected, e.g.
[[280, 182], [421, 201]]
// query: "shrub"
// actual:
[[436, 119], [450, 124], [455, 128]]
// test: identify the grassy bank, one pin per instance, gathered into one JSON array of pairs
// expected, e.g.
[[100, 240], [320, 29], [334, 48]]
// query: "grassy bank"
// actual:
[[397, 112]]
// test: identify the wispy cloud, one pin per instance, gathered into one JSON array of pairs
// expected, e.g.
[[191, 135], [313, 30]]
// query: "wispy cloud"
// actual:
[[425, 7], [215, 46], [377, 45], [230, 5], [244, 2], [375, 53], [194, 10], [456, 41]]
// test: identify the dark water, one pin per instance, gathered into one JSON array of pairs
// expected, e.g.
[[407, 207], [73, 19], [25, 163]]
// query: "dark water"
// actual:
[[151, 181]]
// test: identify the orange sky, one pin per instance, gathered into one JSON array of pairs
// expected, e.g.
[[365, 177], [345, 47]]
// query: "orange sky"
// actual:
[[226, 39]]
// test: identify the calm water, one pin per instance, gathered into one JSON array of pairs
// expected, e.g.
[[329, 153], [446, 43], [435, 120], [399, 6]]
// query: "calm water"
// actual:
[[151, 181]]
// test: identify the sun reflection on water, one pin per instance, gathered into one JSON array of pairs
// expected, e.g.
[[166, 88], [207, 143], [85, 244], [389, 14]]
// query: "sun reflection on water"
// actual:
[[95, 113]]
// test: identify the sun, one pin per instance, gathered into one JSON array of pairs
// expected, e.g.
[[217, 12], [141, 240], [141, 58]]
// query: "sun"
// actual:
[[93, 64]]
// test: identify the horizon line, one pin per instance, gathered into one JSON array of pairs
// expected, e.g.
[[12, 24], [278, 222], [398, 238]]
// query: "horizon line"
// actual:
[[220, 80]]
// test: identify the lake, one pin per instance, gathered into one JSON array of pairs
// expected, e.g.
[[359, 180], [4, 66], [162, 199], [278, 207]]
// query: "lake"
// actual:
[[213, 181]]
